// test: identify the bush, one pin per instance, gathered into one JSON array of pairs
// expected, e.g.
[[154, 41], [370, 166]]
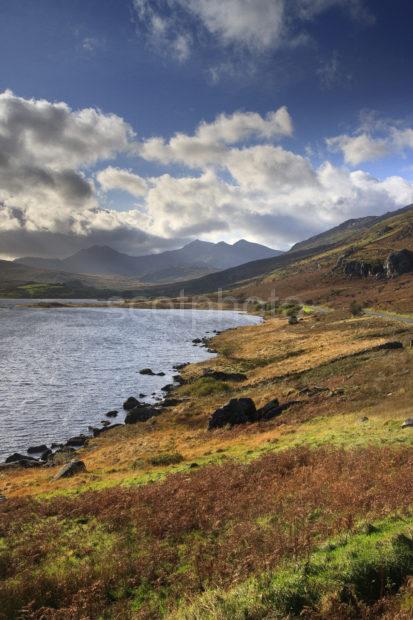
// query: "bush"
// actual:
[[356, 308], [166, 459]]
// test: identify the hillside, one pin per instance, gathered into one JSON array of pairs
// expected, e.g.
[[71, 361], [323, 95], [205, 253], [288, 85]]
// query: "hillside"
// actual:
[[304, 514], [195, 259], [18, 280]]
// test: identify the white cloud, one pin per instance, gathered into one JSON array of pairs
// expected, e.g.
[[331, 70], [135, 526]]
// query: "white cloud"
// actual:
[[116, 178], [358, 149], [254, 26], [374, 139], [209, 143]]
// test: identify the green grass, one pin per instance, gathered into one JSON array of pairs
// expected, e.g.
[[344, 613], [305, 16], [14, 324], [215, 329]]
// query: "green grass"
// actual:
[[368, 565], [205, 386]]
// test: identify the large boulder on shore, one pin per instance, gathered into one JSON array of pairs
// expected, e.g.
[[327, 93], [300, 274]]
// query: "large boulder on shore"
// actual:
[[237, 411], [71, 469], [141, 413]]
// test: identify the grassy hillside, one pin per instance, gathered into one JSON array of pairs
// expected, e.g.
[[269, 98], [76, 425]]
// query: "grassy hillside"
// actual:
[[309, 513]]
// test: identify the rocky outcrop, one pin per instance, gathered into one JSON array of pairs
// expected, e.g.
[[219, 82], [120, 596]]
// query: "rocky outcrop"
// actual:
[[71, 469], [398, 263], [111, 414], [220, 375]]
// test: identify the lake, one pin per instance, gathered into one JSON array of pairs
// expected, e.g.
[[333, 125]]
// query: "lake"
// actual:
[[63, 369]]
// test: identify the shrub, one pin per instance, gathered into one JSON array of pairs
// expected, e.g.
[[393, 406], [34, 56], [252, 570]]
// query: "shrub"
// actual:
[[172, 458], [356, 308]]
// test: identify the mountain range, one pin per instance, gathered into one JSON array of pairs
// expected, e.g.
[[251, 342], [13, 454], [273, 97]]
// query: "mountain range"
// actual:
[[193, 260]]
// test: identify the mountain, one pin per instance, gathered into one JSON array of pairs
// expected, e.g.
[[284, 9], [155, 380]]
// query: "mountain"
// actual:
[[195, 259], [334, 267]]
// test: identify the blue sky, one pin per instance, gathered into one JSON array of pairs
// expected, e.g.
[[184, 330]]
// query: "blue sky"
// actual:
[[127, 71]]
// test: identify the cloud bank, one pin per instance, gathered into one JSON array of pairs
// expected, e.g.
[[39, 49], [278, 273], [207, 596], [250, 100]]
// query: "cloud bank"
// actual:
[[59, 167]]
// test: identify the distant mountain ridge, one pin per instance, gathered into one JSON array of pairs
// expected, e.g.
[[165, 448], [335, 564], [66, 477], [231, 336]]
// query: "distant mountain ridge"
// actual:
[[193, 260]]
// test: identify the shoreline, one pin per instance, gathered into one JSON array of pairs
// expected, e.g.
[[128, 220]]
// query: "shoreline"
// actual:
[[159, 406]]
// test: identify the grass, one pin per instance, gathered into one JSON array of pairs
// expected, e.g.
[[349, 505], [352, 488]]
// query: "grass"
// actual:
[[345, 575]]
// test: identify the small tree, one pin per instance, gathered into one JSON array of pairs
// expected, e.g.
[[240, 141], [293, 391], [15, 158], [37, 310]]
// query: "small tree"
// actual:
[[356, 308]]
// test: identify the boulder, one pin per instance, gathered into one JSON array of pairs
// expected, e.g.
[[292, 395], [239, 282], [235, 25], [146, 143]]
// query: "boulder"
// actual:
[[197, 341], [130, 403], [111, 414], [71, 469], [160, 374], [237, 411], [105, 422], [273, 409], [180, 366], [17, 457], [407, 423], [167, 388], [398, 263], [37, 449], [141, 414], [146, 371], [46, 454], [77, 442], [142, 395], [171, 402], [220, 375]]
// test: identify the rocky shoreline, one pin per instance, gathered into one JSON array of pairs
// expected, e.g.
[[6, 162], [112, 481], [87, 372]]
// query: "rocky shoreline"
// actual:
[[43, 456]]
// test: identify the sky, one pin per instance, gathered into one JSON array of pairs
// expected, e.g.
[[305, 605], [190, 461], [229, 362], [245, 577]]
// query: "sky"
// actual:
[[145, 124]]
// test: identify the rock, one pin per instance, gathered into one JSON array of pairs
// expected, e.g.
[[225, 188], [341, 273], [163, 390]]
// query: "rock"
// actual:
[[77, 442], [160, 374], [312, 390], [111, 414], [17, 457], [197, 341], [389, 346], [364, 419], [180, 366], [407, 423], [37, 449], [71, 469], [105, 422], [237, 411], [178, 379], [292, 320], [193, 465], [56, 445], [274, 409], [142, 413], [167, 388], [398, 263], [130, 403], [219, 375], [268, 409], [142, 395], [46, 455], [146, 371], [171, 402]]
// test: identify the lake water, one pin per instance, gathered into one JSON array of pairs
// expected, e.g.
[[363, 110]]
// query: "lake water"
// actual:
[[62, 369]]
